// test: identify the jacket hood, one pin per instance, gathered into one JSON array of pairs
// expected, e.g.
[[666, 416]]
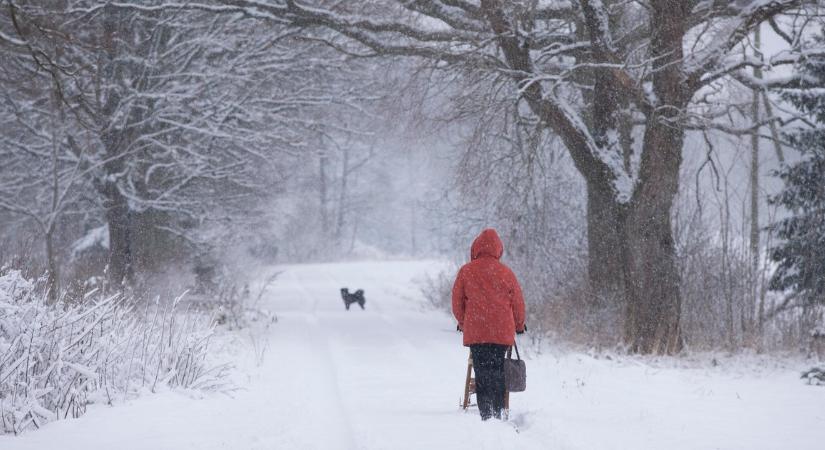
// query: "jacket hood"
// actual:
[[487, 244]]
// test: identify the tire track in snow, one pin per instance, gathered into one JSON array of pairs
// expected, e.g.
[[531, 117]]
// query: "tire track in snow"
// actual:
[[400, 331], [398, 372], [389, 335], [320, 341]]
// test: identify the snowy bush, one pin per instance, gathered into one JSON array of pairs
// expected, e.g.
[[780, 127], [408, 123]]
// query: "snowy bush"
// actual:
[[438, 289], [56, 360], [815, 376], [230, 303]]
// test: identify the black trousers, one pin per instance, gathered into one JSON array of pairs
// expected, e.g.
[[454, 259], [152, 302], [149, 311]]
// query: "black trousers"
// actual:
[[488, 364]]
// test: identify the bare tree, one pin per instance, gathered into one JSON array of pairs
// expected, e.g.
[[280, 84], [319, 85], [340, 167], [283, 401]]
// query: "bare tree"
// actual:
[[624, 62], [618, 83], [39, 181], [176, 119]]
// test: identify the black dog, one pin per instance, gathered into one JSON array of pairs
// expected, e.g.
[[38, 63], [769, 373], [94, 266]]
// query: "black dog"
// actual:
[[357, 297]]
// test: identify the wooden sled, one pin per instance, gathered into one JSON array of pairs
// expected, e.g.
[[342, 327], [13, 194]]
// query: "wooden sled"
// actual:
[[470, 389]]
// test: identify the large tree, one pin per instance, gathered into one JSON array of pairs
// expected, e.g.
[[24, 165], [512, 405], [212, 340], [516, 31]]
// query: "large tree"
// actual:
[[39, 182], [175, 118], [800, 255]]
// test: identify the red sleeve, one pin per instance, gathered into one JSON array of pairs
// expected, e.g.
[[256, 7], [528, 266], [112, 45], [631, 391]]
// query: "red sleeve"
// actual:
[[459, 300], [517, 300]]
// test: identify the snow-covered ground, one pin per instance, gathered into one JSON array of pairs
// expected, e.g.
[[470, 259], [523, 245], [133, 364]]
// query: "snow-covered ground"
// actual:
[[391, 377]]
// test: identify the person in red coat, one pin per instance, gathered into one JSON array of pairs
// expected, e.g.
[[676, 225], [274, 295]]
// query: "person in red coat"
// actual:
[[489, 307]]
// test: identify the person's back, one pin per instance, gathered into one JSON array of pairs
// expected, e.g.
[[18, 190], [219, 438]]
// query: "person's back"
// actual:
[[488, 304]]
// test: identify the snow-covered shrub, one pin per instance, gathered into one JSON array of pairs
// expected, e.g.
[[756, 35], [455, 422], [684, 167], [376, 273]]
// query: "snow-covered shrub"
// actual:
[[815, 376], [231, 303], [438, 289], [56, 360]]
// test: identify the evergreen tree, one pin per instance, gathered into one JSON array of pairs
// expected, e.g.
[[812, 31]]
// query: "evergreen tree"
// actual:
[[801, 252]]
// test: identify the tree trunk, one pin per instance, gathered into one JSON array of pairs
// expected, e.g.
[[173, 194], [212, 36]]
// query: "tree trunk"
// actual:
[[604, 221], [604, 243], [120, 264], [322, 191], [653, 307], [727, 273], [648, 255], [53, 280], [342, 198], [754, 194]]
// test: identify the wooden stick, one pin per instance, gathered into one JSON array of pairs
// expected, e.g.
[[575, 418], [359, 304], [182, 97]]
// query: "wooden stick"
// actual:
[[467, 381], [506, 391]]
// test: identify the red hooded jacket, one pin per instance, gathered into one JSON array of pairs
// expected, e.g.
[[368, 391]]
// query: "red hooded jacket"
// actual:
[[487, 299]]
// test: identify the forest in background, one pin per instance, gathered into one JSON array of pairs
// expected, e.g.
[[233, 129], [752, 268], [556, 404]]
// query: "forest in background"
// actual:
[[625, 151]]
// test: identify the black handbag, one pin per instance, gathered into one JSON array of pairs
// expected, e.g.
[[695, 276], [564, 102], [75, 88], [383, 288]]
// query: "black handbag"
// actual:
[[515, 372]]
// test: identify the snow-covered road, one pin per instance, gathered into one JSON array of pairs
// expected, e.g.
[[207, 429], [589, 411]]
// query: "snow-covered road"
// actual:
[[390, 377]]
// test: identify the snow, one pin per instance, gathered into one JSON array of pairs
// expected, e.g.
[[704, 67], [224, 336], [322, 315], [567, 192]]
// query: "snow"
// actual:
[[623, 182], [96, 237], [13, 285], [392, 376], [12, 40]]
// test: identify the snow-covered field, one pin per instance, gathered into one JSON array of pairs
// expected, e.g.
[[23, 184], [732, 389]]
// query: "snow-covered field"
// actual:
[[391, 377]]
